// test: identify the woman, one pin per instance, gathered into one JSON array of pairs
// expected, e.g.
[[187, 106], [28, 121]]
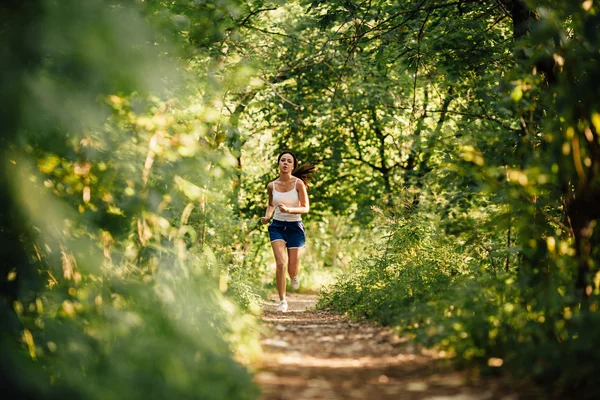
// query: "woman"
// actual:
[[288, 199]]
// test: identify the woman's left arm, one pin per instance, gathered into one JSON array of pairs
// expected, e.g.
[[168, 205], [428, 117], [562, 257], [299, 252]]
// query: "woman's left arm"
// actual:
[[304, 206]]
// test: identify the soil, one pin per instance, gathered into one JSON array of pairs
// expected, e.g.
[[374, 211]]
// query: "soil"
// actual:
[[316, 354]]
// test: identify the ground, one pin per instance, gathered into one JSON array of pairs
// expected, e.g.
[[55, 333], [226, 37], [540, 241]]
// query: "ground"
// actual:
[[314, 354]]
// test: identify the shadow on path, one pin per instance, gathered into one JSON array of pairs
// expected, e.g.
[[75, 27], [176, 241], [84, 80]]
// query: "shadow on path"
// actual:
[[312, 354]]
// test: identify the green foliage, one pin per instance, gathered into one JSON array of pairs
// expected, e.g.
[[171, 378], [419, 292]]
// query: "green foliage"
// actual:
[[370, 106], [413, 264], [512, 178], [116, 227], [138, 139], [446, 294]]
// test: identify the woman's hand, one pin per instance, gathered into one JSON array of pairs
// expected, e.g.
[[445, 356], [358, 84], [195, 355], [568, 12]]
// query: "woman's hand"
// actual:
[[284, 208], [264, 220]]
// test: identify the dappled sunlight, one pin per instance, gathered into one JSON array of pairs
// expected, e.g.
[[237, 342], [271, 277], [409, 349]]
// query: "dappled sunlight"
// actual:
[[453, 215], [359, 363], [308, 350]]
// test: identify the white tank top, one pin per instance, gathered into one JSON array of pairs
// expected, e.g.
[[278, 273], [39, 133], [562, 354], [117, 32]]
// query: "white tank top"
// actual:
[[290, 199]]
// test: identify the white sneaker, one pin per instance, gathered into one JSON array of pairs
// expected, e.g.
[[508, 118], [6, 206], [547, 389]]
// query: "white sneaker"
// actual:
[[282, 306], [295, 282]]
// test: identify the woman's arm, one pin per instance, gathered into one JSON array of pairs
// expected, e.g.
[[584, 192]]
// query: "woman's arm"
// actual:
[[270, 206], [302, 198]]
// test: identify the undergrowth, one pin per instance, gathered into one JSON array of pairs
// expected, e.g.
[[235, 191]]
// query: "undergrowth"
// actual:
[[444, 293]]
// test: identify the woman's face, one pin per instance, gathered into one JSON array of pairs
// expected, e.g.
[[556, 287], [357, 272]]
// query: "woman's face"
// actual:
[[286, 163]]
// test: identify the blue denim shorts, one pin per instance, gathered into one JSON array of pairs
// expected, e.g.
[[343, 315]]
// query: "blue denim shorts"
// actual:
[[291, 232]]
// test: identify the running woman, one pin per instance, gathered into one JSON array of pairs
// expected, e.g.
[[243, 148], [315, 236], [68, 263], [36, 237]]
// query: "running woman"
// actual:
[[288, 200]]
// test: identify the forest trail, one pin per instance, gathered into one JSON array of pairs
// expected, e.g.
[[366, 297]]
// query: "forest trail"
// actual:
[[313, 354]]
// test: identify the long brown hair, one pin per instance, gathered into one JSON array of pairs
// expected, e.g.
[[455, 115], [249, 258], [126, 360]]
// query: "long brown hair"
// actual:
[[304, 172]]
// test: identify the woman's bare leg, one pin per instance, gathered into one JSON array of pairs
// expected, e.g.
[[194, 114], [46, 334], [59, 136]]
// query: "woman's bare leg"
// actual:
[[293, 261], [279, 250]]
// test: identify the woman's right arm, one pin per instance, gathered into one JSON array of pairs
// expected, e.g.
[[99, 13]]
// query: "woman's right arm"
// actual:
[[270, 206]]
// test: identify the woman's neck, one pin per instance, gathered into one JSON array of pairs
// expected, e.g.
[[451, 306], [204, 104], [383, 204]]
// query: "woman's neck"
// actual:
[[285, 177]]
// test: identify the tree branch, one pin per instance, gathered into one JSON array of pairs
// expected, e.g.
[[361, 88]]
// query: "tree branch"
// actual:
[[413, 10], [253, 13], [375, 167], [256, 28], [479, 116], [419, 37]]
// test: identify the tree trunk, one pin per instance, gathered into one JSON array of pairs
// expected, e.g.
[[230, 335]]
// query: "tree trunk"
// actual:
[[521, 17], [384, 168], [236, 142], [583, 213]]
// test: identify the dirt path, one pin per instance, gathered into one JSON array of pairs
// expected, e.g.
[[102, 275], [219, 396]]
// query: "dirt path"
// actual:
[[321, 355]]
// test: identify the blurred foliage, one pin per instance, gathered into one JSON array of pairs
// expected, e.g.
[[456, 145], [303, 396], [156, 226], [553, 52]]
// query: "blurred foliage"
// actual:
[[118, 237]]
